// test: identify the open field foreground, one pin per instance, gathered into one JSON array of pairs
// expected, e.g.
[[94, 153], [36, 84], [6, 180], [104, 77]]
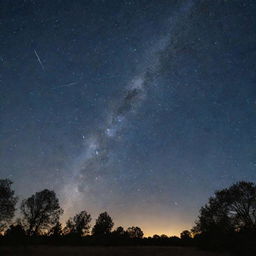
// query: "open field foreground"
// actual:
[[108, 251]]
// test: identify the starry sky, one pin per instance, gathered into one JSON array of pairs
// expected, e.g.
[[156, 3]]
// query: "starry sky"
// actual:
[[139, 108]]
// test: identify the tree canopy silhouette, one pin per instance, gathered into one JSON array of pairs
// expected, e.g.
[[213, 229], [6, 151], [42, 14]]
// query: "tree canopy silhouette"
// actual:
[[119, 232], [7, 203], [135, 232], [185, 235], [103, 226], [79, 224], [56, 230], [40, 212], [229, 210], [15, 231]]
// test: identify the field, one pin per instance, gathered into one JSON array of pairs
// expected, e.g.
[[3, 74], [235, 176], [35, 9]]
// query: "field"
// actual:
[[108, 251]]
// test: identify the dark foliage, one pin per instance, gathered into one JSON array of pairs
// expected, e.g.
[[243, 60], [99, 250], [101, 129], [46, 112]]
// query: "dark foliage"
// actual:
[[229, 210], [135, 233], [79, 224], [7, 203], [186, 238], [56, 230], [186, 235], [119, 232], [103, 225], [15, 231], [226, 222], [40, 212]]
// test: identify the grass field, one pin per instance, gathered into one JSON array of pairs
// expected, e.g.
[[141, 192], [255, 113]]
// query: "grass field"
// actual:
[[100, 251]]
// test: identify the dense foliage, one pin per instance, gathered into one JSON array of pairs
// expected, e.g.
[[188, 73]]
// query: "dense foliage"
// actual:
[[7, 203]]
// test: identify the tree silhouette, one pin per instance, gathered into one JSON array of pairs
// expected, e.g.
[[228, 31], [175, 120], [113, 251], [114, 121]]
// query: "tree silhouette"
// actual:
[[229, 210], [40, 212], [103, 226], [15, 231], [56, 230], [135, 232], [185, 235], [119, 232], [79, 224], [7, 203]]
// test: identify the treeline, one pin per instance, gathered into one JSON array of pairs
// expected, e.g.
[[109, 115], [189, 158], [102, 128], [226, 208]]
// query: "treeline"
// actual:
[[39, 222], [226, 222]]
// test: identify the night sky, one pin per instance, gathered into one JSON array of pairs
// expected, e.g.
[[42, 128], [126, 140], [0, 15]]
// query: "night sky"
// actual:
[[139, 108]]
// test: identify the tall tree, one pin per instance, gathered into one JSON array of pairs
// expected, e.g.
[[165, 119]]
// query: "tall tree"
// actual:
[[7, 203], [229, 210], [103, 226], [79, 224], [40, 212]]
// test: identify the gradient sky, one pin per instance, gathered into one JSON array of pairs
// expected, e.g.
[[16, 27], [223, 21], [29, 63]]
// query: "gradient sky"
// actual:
[[139, 108]]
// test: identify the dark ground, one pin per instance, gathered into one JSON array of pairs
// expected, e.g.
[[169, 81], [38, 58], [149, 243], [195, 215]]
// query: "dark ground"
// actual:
[[99, 251]]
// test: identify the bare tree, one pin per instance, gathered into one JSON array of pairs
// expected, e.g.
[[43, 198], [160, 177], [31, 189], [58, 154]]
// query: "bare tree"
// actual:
[[7, 203], [40, 212]]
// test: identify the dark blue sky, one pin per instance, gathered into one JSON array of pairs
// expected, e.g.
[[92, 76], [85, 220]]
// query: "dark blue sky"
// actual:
[[140, 108]]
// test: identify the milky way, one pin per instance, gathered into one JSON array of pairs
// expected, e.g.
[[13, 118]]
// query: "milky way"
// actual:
[[139, 108], [87, 169]]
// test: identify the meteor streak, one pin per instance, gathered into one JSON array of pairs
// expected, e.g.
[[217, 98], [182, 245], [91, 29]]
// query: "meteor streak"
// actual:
[[39, 60]]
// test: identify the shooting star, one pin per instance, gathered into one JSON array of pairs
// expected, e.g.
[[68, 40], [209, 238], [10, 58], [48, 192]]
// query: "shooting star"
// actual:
[[39, 60], [65, 85]]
